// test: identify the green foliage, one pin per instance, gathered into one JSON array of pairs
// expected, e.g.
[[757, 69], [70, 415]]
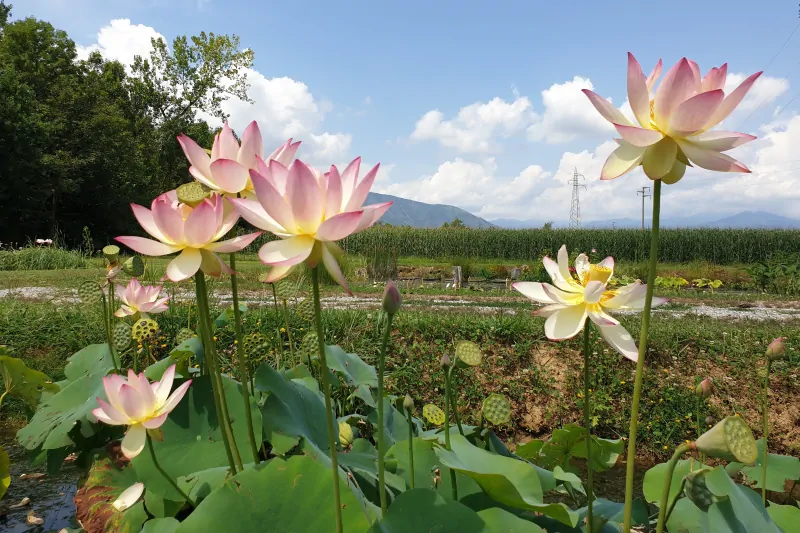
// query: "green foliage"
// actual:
[[5, 473], [22, 382], [778, 274], [467, 267], [669, 282], [381, 262], [567, 443], [290, 495], [720, 246]]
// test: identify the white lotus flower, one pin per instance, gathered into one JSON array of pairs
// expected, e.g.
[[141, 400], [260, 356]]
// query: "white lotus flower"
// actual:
[[571, 299]]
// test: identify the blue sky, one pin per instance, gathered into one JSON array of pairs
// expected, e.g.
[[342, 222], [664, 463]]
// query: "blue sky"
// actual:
[[478, 104]]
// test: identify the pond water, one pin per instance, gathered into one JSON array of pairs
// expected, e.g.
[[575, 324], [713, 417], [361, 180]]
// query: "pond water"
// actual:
[[51, 497]]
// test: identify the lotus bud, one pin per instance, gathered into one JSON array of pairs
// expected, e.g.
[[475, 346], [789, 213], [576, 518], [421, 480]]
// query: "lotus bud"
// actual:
[[776, 349], [391, 298], [134, 266], [445, 361], [704, 389], [408, 403], [730, 439], [346, 436], [111, 253]]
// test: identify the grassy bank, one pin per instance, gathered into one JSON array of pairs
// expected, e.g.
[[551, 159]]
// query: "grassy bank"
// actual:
[[540, 377]]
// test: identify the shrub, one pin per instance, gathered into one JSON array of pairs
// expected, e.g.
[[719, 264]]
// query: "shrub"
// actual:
[[41, 258]]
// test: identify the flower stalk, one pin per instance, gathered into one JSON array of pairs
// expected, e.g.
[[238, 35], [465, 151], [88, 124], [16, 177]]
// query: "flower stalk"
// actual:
[[765, 419], [587, 423], [408, 404], [288, 332], [210, 356], [662, 510], [326, 388], [381, 409], [166, 476], [242, 357], [637, 387], [446, 366]]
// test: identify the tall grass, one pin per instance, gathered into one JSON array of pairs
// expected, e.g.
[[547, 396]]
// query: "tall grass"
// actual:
[[41, 258]]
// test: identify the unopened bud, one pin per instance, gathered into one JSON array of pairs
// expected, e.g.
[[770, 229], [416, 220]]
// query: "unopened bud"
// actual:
[[445, 361], [408, 403], [704, 389], [776, 349], [391, 298]]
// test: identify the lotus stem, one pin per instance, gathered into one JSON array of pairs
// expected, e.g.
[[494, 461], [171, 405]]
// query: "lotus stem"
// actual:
[[447, 392], [109, 340], [587, 423], [662, 510], [166, 476], [637, 387], [242, 356], [454, 404], [675, 501], [210, 362], [765, 418], [326, 388], [289, 332], [411, 444], [381, 437]]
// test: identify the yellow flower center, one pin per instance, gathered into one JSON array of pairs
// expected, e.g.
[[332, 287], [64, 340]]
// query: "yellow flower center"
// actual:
[[599, 273]]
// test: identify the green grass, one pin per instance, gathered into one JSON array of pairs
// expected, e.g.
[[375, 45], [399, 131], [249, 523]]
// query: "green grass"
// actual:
[[41, 258], [540, 377]]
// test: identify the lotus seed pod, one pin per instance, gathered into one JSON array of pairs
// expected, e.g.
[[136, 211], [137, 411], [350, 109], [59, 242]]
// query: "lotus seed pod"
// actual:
[[346, 436], [309, 347], [408, 403], [776, 349], [433, 414], [90, 292], [391, 298], [192, 193], [285, 289], [496, 409], [704, 389], [121, 336], [145, 329], [469, 353], [730, 439], [697, 490], [305, 309], [111, 253], [184, 335], [133, 266], [255, 344], [445, 361]]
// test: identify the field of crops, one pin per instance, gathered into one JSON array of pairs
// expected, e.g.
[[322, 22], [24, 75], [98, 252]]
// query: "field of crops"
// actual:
[[719, 246]]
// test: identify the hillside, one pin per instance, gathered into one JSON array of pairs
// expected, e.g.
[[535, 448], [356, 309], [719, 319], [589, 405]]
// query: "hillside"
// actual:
[[421, 215], [743, 220]]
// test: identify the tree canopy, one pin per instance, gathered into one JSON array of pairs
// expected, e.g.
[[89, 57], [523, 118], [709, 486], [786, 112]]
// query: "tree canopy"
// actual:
[[82, 139]]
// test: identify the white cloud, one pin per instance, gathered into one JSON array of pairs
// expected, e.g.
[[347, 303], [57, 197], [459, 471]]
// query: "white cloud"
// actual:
[[568, 114], [122, 41], [282, 106], [764, 91], [475, 128], [474, 186]]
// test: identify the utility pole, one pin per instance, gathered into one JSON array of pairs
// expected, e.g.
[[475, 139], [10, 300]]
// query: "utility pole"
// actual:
[[575, 208], [645, 192]]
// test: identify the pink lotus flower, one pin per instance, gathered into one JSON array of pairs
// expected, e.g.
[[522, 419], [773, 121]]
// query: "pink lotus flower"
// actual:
[[574, 298], [138, 404], [227, 170], [674, 122], [309, 211], [192, 231], [137, 299]]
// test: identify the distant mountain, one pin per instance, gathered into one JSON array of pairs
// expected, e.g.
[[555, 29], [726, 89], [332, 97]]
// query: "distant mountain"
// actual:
[[421, 215], [745, 219]]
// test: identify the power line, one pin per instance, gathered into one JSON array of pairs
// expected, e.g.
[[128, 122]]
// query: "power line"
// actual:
[[575, 208]]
